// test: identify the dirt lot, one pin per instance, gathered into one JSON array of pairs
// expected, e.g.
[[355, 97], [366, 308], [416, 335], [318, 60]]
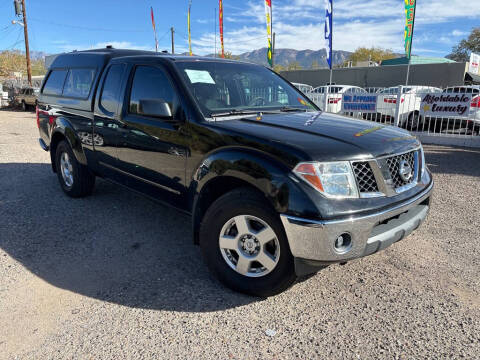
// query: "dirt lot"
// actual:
[[116, 276]]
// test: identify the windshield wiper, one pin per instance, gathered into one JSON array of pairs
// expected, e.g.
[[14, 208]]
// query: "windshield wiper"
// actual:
[[234, 112], [291, 109]]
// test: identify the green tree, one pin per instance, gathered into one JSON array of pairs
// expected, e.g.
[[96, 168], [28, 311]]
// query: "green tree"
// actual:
[[374, 54], [461, 52], [14, 61], [315, 65], [294, 66], [278, 68], [229, 55]]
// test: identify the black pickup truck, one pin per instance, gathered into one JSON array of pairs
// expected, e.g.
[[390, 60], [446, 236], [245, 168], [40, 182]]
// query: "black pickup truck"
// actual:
[[276, 188]]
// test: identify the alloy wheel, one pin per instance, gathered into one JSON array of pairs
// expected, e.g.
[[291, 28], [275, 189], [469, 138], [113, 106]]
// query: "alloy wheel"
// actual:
[[249, 246]]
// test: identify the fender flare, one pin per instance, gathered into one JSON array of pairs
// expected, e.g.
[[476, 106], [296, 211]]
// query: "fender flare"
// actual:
[[63, 127], [256, 169]]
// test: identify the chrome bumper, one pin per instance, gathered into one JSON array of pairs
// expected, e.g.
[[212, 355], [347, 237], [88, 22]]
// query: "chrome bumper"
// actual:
[[315, 240]]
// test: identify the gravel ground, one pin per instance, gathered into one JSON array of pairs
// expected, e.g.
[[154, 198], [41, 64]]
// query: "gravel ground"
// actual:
[[116, 276]]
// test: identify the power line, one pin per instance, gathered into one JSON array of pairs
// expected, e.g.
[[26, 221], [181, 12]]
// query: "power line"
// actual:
[[87, 28]]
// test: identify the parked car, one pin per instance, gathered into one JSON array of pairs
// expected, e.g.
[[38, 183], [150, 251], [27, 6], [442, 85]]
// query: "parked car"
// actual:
[[409, 107], [335, 95], [275, 188], [304, 88], [27, 97]]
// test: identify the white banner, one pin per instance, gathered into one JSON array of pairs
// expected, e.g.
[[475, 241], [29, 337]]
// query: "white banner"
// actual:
[[362, 103], [473, 67], [445, 105]]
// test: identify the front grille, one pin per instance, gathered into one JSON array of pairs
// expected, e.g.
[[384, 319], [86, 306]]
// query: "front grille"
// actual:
[[394, 167], [365, 178]]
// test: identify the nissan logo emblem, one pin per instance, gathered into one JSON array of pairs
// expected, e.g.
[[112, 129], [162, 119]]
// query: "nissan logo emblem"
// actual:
[[405, 171]]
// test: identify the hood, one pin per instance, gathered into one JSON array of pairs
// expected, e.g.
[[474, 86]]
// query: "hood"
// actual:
[[325, 136]]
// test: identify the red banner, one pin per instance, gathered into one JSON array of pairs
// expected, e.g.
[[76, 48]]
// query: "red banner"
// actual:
[[220, 15], [153, 20]]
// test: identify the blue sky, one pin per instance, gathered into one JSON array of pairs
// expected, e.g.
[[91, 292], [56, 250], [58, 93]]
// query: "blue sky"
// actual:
[[57, 26]]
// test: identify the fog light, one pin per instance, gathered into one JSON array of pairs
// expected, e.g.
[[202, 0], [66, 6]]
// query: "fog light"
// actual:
[[343, 243]]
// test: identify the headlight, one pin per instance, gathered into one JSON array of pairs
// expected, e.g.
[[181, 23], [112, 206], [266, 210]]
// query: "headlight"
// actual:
[[332, 179]]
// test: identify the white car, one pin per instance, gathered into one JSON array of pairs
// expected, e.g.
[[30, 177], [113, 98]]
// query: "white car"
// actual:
[[304, 88], [409, 107], [334, 95]]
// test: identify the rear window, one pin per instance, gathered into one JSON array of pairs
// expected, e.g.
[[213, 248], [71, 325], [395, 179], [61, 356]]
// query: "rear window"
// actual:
[[54, 84], [79, 83]]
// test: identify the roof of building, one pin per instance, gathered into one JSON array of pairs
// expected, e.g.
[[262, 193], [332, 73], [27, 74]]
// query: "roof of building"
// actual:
[[416, 60]]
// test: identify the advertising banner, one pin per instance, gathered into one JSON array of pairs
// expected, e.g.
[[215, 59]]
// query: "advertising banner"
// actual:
[[359, 103], [268, 12], [410, 6], [446, 105], [220, 16], [189, 29], [328, 31], [473, 67]]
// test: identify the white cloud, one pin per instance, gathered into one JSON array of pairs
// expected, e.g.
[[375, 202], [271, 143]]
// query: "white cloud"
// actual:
[[459, 33]]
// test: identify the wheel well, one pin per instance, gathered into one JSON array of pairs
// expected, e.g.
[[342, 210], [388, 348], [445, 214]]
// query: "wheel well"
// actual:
[[56, 138], [212, 191]]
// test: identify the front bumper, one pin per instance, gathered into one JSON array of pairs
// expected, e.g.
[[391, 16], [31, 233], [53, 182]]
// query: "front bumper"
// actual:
[[315, 241]]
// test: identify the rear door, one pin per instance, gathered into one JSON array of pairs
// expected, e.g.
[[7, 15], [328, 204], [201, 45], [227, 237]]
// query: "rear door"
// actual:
[[153, 151]]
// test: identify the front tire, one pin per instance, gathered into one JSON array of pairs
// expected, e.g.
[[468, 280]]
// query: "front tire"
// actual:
[[244, 245], [24, 106], [75, 179]]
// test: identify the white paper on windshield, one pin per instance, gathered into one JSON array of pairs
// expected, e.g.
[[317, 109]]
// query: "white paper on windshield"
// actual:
[[199, 76]]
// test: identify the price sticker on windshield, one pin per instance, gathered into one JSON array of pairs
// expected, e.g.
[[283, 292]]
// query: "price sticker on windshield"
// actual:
[[199, 76]]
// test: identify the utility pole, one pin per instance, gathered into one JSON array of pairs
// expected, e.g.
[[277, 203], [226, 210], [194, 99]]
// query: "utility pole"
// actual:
[[173, 39], [23, 12]]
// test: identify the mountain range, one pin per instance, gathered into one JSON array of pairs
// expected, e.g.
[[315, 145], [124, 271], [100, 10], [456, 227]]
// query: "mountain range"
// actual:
[[284, 57], [305, 58]]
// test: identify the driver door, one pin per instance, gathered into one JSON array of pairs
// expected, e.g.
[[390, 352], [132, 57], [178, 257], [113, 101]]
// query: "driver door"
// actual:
[[152, 153]]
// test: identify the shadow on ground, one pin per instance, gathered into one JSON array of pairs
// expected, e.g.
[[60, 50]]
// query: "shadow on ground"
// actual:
[[114, 246], [453, 160]]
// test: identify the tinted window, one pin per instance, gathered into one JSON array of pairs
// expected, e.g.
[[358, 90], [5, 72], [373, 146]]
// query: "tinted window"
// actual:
[[79, 82], [111, 88], [151, 83], [54, 85]]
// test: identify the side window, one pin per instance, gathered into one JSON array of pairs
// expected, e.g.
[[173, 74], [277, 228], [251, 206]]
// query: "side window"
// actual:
[[54, 84], [151, 83], [79, 83], [111, 88]]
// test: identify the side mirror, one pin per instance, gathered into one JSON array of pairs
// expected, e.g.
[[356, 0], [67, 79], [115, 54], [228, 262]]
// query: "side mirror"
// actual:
[[155, 107]]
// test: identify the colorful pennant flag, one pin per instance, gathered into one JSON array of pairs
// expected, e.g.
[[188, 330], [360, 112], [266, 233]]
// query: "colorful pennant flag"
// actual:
[[189, 30], [220, 15], [154, 29], [328, 31], [410, 7], [268, 12]]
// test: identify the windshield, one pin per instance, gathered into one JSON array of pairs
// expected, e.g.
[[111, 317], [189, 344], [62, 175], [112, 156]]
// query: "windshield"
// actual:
[[225, 88]]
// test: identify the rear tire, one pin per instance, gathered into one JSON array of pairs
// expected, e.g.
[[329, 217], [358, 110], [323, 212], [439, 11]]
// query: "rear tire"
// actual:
[[263, 245], [414, 121], [75, 179]]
